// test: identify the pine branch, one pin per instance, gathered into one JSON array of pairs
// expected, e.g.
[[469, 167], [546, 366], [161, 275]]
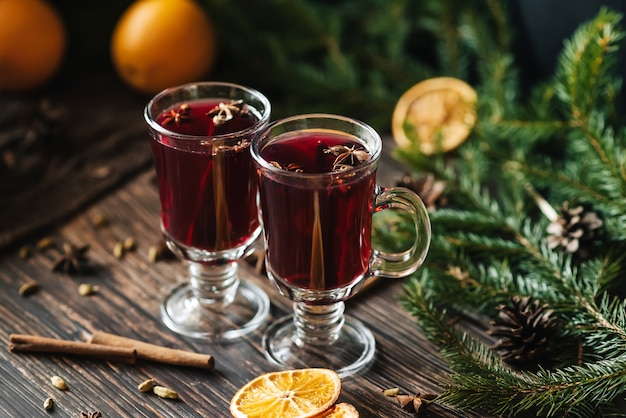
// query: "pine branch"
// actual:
[[490, 243]]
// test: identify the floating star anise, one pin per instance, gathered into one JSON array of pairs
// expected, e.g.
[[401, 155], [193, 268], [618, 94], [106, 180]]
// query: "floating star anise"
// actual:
[[73, 259], [347, 157], [179, 116], [224, 112]]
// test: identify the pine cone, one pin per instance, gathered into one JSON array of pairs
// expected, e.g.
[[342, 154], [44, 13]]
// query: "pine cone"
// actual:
[[574, 231], [525, 330], [427, 188]]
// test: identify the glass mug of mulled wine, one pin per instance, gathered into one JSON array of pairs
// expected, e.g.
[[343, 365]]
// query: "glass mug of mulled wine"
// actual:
[[208, 193], [318, 193]]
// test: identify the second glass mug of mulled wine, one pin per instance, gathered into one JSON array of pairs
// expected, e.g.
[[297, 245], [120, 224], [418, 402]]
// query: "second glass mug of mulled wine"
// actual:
[[318, 193], [201, 133]]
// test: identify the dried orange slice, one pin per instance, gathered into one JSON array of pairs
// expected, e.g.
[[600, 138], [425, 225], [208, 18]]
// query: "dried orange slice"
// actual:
[[341, 410], [287, 394], [438, 114]]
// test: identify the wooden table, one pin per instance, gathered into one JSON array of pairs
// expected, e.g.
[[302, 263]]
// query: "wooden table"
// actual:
[[127, 304]]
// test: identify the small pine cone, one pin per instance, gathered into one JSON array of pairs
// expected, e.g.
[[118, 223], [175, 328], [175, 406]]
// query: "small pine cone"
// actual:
[[427, 188], [525, 329], [574, 230]]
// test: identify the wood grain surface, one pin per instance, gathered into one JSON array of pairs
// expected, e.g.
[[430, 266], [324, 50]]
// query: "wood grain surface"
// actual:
[[127, 304]]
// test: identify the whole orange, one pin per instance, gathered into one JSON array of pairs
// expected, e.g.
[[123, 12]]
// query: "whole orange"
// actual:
[[32, 44], [162, 43]]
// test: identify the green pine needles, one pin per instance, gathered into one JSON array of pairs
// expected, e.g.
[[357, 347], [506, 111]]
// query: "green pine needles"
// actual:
[[507, 186]]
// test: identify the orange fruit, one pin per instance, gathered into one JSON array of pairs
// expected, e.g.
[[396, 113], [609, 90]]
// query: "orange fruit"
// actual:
[[341, 410], [32, 44], [163, 43], [287, 394], [437, 114]]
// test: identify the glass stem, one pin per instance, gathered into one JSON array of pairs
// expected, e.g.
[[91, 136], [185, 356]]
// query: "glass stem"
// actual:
[[317, 324], [215, 286]]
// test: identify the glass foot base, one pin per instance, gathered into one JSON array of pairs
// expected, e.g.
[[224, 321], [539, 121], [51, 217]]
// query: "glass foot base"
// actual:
[[183, 313], [350, 353]]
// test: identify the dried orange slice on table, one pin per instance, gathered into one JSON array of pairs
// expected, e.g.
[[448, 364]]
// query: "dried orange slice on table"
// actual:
[[289, 394], [437, 114]]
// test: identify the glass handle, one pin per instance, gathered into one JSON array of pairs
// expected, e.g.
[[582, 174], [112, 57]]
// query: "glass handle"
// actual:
[[397, 265]]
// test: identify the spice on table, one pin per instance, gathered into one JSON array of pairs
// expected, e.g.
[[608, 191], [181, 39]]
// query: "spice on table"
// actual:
[[58, 382], [99, 221], [160, 252], [28, 288], [146, 385], [22, 343], [48, 404], [118, 250], [25, 252], [156, 353], [86, 289], [129, 244], [163, 392], [94, 414], [73, 259], [45, 243], [391, 392]]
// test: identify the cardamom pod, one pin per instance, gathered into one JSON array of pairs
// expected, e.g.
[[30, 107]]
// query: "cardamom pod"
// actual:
[[146, 385], [163, 392], [391, 392], [58, 382], [28, 288], [45, 243], [130, 244], [25, 252], [118, 250], [48, 404], [86, 289], [99, 221]]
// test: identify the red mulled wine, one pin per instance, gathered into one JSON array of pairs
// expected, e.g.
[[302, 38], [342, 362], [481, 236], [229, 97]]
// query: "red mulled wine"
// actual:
[[318, 233], [207, 186]]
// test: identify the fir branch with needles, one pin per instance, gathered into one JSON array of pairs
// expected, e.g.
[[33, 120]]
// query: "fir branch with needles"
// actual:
[[529, 162]]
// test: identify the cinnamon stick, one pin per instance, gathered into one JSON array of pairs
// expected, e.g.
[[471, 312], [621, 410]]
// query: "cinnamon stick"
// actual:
[[22, 343], [157, 353]]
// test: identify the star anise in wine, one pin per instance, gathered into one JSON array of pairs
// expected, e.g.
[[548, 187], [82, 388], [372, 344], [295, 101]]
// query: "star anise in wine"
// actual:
[[179, 116], [73, 259], [224, 112], [347, 157], [289, 167]]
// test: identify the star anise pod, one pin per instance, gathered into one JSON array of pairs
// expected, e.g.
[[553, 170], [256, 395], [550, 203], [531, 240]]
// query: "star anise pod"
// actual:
[[224, 112], [427, 188], [525, 328], [95, 414], [574, 230], [179, 116], [73, 259], [347, 157]]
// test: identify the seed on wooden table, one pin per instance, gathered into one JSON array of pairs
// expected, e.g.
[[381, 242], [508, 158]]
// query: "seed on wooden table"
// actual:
[[28, 288], [86, 289], [45, 243], [25, 252], [130, 244], [100, 221], [163, 392], [146, 385], [48, 404], [118, 250], [391, 392], [58, 382]]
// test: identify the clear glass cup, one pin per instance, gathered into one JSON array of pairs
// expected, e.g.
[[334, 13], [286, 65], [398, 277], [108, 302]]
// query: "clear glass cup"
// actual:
[[318, 193], [208, 193]]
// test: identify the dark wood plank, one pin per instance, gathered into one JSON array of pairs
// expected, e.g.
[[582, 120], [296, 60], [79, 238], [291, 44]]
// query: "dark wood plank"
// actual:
[[128, 304]]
